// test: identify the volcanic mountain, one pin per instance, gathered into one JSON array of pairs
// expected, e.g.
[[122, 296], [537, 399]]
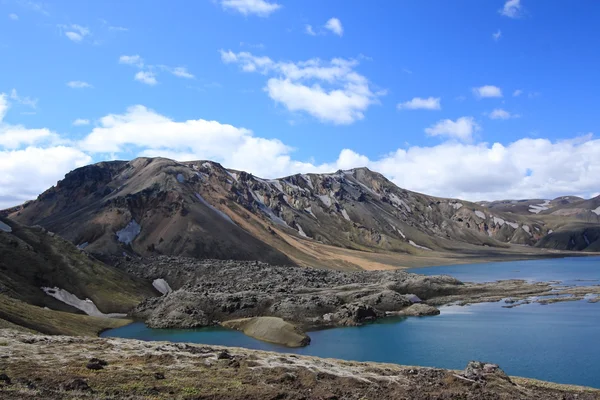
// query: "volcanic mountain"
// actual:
[[348, 219]]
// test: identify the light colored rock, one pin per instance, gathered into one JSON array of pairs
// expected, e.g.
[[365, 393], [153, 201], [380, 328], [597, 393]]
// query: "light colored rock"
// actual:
[[270, 329]]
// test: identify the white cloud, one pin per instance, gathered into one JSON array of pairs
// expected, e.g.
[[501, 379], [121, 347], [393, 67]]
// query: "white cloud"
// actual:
[[335, 26], [497, 35], [26, 101], [147, 77], [81, 122], [308, 29], [180, 72], [28, 172], [14, 17], [517, 93], [135, 60], [118, 29], [3, 105], [418, 103], [79, 85], [461, 129], [499, 113], [261, 8], [487, 91], [75, 32], [511, 9], [526, 168], [329, 91]]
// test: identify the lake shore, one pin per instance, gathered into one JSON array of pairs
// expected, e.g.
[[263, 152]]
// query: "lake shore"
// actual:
[[94, 368]]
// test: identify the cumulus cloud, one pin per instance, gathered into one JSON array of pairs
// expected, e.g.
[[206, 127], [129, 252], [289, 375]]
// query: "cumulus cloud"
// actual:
[[511, 9], [526, 168], [418, 103], [75, 32], [331, 91], [500, 113], [517, 93], [147, 77], [335, 26], [79, 85], [13, 16], [487, 91], [81, 122], [135, 60], [461, 129], [261, 8], [497, 35]]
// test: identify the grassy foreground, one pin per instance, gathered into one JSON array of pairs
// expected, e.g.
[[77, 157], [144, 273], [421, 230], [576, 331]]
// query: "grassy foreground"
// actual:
[[62, 367], [22, 316]]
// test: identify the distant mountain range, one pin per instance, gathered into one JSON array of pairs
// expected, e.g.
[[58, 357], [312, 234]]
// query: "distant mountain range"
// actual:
[[348, 219]]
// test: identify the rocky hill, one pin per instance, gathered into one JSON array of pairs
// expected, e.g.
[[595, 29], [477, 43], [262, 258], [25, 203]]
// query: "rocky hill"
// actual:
[[45, 280], [347, 219]]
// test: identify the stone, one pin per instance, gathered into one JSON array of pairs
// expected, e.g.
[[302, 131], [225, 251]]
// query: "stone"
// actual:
[[76, 384]]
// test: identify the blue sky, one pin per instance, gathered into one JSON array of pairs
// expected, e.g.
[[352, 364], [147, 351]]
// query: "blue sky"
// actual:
[[468, 98]]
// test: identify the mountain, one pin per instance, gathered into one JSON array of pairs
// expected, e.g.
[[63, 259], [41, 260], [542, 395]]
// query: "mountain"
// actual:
[[347, 219], [45, 280]]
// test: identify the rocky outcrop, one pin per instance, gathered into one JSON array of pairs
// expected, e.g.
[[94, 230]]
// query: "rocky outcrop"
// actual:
[[270, 329], [215, 291]]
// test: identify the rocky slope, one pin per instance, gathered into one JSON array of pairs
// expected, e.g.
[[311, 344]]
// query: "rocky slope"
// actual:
[[210, 292], [60, 367], [41, 272], [200, 209]]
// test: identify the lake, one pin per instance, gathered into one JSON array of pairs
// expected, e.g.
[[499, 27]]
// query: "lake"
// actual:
[[556, 342]]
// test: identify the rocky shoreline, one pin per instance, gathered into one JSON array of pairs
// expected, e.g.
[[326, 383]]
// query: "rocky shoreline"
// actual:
[[210, 292], [65, 367]]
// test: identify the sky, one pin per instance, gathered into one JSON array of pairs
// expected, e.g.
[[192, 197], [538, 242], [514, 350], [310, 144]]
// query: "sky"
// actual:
[[479, 100]]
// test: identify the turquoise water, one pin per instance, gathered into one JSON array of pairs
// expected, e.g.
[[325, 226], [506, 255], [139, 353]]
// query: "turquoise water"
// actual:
[[557, 342]]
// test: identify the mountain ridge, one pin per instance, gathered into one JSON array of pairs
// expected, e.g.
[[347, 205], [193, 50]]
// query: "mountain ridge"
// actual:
[[200, 209]]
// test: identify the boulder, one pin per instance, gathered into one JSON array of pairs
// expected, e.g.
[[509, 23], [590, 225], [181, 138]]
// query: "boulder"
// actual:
[[420, 310]]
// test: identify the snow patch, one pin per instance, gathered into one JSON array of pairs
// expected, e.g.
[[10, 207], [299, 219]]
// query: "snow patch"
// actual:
[[526, 229], [513, 224], [87, 306], [82, 245], [596, 211], [162, 286], [418, 246], [399, 231], [180, 178], [129, 233], [272, 215], [550, 232], [586, 239], [498, 221], [215, 209], [480, 214], [233, 175], [345, 214], [207, 165], [456, 206], [537, 208], [5, 228], [300, 231]]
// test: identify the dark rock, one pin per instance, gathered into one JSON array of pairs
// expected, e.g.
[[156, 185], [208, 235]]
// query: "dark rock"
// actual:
[[479, 371], [159, 375], [96, 364], [76, 384], [5, 378], [224, 355]]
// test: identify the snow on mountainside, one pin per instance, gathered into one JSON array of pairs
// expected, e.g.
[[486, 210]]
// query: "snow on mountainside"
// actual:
[[200, 209]]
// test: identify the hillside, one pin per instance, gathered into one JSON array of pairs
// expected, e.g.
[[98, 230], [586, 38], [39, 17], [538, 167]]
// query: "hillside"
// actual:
[[45, 281], [348, 219]]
